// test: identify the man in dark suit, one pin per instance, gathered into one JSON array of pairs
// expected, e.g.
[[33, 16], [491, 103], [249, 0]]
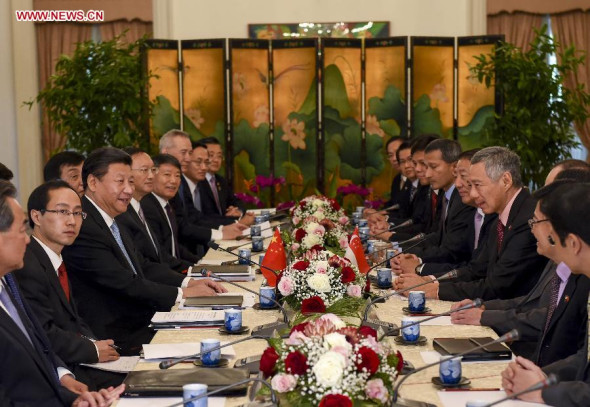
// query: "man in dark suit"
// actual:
[[564, 209], [477, 227], [135, 220], [33, 375], [399, 180], [158, 211], [509, 266], [117, 292], [55, 214], [450, 244], [67, 166], [217, 196], [194, 230]]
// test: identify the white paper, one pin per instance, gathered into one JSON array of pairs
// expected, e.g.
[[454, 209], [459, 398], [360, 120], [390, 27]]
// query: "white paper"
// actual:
[[187, 316], [179, 350], [440, 321], [431, 356], [124, 364], [460, 398], [163, 401]]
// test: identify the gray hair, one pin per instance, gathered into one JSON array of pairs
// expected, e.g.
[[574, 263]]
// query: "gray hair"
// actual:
[[497, 161], [7, 190], [166, 139]]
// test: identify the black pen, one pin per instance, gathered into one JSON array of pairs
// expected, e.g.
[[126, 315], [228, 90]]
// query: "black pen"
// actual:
[[94, 340]]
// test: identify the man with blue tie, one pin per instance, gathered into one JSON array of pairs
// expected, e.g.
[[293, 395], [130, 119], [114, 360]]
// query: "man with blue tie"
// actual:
[[33, 375]]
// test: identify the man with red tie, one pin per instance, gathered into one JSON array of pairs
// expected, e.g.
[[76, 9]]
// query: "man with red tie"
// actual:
[[55, 215]]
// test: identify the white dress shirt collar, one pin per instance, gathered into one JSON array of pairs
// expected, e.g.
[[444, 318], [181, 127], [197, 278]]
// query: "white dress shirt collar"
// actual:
[[56, 259], [107, 218]]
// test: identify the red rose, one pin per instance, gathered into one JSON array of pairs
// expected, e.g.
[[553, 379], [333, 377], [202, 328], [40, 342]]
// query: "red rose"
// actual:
[[302, 204], [369, 360], [301, 265], [367, 331], [347, 275], [300, 234], [296, 363], [318, 248], [400, 362], [313, 305], [268, 361], [335, 400], [299, 327], [334, 205], [368, 286]]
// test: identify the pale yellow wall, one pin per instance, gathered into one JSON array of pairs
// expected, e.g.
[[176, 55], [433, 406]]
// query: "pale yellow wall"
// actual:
[[190, 19]]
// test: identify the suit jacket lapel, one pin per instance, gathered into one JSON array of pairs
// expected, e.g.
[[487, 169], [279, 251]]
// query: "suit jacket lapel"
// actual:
[[154, 242], [52, 276], [221, 193], [568, 292]]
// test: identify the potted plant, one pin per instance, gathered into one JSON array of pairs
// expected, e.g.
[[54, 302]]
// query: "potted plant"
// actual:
[[97, 96], [539, 110]]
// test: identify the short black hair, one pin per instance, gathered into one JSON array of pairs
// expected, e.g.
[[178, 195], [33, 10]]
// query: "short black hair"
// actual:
[[40, 196], [7, 190], [577, 174], [403, 146], [450, 150], [98, 162], [198, 144], [5, 173], [161, 159], [572, 163], [420, 143], [209, 140], [133, 150], [392, 139], [468, 155], [53, 167], [568, 209]]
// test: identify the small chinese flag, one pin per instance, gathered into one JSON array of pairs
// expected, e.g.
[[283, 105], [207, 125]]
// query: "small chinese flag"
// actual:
[[275, 259], [356, 254]]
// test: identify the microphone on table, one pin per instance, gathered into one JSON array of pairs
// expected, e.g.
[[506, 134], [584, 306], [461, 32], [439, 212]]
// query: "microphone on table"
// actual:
[[242, 237], [394, 227], [393, 207], [507, 337], [165, 364], [393, 329], [266, 329], [550, 380], [418, 241], [273, 395]]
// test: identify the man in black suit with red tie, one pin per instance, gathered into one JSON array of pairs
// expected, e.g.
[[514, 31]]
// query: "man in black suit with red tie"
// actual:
[[118, 290], [55, 214], [32, 373]]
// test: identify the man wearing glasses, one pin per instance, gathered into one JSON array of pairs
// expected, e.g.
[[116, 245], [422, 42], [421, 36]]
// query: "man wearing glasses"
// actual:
[[55, 214]]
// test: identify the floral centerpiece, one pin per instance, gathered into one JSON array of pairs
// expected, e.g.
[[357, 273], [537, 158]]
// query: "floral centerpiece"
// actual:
[[326, 363], [323, 282], [317, 208]]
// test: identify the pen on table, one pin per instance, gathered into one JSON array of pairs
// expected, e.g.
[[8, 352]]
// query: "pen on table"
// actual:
[[474, 389], [94, 340]]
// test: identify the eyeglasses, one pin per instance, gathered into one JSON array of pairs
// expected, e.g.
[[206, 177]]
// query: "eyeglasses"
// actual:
[[198, 163], [533, 221], [144, 171], [65, 212]]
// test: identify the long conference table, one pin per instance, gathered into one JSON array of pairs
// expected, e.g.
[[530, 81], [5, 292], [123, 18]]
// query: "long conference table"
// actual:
[[417, 387]]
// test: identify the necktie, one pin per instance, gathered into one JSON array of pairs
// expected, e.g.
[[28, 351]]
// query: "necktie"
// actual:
[[478, 222], [197, 199], [445, 209], [174, 228], [147, 228], [62, 275], [500, 229], [413, 190], [433, 202], [215, 193], [117, 236], [12, 311], [555, 282]]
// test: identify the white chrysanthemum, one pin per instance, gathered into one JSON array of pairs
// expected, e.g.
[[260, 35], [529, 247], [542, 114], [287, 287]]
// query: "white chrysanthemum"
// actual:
[[335, 339], [319, 215], [311, 240], [316, 203], [334, 319], [319, 282], [329, 369], [311, 227]]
